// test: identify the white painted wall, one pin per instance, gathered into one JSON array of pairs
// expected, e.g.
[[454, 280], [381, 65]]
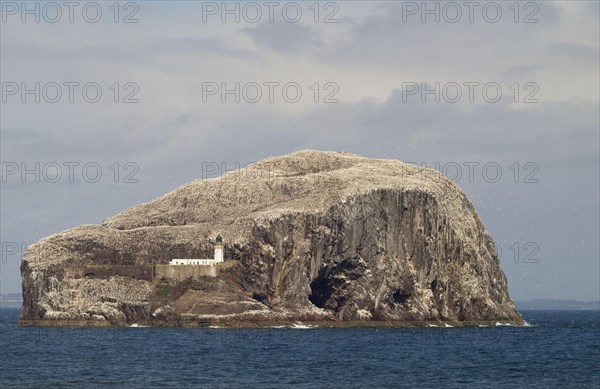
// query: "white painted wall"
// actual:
[[192, 262]]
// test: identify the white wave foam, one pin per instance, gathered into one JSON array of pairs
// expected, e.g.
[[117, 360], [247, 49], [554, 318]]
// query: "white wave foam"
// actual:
[[301, 326]]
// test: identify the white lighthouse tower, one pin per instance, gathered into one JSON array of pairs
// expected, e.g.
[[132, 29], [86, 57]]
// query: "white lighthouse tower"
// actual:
[[219, 249]]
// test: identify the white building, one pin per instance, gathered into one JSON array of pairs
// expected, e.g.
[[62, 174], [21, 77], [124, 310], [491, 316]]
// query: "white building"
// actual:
[[218, 257]]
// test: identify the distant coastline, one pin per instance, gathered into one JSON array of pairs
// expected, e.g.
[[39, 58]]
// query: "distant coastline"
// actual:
[[11, 300], [557, 305]]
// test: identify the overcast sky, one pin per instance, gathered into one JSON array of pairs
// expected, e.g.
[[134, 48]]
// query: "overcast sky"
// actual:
[[516, 125]]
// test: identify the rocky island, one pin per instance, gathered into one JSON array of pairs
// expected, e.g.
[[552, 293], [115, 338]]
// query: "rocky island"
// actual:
[[318, 237]]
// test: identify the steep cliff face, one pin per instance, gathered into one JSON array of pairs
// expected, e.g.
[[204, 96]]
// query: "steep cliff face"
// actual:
[[312, 236]]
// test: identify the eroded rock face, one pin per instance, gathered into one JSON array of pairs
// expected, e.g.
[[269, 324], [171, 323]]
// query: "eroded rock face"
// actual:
[[315, 236]]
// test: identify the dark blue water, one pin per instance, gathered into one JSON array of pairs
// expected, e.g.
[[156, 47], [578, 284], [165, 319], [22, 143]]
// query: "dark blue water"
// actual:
[[561, 349]]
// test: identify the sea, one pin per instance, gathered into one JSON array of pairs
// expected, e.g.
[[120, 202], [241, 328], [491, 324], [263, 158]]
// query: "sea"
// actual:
[[556, 349]]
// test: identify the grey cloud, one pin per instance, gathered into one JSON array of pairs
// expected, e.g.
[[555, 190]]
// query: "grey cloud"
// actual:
[[139, 53], [285, 38]]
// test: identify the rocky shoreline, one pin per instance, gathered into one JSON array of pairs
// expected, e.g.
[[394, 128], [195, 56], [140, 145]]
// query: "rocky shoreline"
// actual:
[[272, 324]]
